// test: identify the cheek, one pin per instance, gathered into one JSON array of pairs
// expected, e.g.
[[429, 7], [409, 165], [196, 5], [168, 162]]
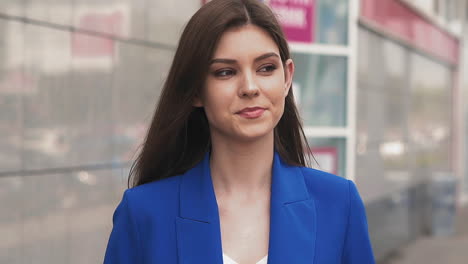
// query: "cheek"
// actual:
[[218, 99], [274, 90]]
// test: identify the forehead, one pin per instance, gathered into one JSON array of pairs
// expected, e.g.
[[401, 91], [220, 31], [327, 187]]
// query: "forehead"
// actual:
[[248, 40]]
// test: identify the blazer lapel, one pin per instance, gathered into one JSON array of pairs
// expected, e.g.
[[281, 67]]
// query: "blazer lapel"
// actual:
[[292, 217], [197, 227]]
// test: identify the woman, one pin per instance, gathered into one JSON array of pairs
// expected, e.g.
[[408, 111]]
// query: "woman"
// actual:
[[221, 176]]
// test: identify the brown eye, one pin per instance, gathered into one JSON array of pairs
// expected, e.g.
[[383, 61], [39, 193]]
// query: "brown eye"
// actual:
[[268, 68], [224, 73]]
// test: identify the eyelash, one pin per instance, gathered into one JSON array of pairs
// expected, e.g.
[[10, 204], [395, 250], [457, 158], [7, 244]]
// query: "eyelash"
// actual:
[[271, 68], [221, 73], [227, 72]]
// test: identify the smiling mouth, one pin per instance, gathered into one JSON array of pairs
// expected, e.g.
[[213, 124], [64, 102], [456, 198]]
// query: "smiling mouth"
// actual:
[[251, 112]]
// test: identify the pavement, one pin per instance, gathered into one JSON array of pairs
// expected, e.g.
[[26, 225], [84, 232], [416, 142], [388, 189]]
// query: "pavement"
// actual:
[[437, 250]]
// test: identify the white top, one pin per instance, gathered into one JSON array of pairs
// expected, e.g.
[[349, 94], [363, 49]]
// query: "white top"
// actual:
[[228, 260]]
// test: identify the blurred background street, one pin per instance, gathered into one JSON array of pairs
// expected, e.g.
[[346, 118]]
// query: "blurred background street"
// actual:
[[381, 86], [436, 250]]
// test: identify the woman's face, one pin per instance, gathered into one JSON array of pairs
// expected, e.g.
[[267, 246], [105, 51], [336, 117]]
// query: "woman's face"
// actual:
[[246, 86]]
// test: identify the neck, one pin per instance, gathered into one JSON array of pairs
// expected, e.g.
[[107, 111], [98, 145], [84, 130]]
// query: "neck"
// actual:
[[242, 167]]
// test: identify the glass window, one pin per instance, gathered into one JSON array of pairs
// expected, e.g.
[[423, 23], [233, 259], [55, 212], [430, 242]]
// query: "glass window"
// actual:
[[320, 89], [332, 22], [430, 112], [403, 112], [394, 60]]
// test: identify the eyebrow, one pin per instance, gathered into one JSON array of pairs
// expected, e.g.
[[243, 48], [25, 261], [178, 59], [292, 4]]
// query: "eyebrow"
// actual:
[[231, 61]]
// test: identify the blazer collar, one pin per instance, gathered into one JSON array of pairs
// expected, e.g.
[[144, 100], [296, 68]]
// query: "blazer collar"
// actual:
[[292, 217]]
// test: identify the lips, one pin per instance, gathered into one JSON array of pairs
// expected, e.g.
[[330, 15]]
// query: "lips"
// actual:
[[251, 112]]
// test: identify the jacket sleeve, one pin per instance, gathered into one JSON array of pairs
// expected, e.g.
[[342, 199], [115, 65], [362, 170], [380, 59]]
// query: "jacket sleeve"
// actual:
[[357, 247], [124, 241]]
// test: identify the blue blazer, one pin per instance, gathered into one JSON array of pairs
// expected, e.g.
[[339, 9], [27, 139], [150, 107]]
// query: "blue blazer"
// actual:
[[315, 218]]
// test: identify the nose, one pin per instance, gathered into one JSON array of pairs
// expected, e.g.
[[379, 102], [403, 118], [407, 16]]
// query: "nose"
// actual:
[[249, 87]]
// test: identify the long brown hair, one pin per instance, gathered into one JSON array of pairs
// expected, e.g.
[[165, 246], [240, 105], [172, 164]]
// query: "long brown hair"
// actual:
[[179, 135]]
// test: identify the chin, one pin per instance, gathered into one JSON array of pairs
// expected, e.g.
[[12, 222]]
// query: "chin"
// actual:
[[253, 134]]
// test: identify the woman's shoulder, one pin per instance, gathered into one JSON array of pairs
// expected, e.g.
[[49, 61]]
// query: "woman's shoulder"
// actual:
[[155, 193], [159, 186], [322, 176], [322, 184]]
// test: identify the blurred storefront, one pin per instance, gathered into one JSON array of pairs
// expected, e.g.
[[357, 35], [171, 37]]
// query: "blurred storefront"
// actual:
[[380, 85], [408, 129]]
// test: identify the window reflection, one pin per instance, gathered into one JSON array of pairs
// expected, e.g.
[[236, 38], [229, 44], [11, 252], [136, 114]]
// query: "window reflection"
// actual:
[[321, 80]]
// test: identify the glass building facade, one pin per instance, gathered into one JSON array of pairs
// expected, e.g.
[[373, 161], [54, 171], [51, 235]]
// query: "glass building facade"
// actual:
[[78, 84], [404, 133], [79, 81]]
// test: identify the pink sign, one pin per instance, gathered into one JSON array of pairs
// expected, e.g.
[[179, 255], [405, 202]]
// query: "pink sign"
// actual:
[[296, 17], [85, 45], [404, 22], [18, 82], [327, 158]]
